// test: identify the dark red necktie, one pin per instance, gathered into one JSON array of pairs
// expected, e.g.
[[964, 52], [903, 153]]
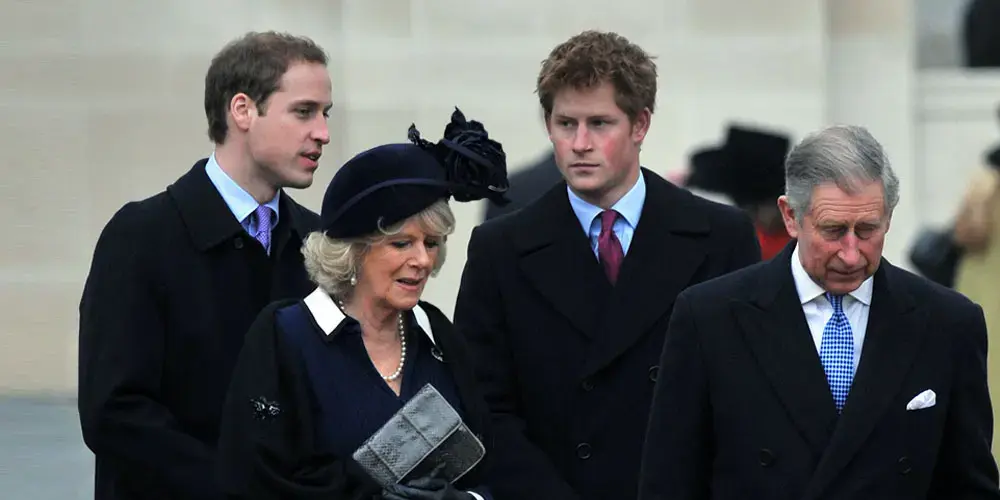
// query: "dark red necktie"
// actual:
[[609, 249]]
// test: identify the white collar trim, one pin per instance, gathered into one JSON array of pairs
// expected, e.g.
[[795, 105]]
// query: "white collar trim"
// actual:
[[328, 316]]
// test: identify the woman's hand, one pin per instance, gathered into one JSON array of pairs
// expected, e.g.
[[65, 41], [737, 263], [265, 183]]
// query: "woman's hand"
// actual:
[[425, 489], [431, 487]]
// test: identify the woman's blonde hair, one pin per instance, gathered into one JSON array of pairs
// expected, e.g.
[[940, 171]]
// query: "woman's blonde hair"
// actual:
[[331, 263]]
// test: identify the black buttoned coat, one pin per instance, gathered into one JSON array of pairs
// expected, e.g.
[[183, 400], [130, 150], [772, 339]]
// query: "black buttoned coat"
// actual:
[[566, 361], [174, 286]]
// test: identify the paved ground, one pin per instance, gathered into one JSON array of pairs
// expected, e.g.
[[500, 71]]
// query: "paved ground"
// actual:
[[42, 456]]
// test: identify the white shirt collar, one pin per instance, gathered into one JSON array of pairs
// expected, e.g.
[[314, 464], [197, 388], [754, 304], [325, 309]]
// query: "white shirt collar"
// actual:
[[809, 290], [328, 316]]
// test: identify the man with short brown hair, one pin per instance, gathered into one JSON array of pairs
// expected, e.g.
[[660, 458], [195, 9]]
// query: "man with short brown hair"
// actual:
[[177, 278], [565, 303]]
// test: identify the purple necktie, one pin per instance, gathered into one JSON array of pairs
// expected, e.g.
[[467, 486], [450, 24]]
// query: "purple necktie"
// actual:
[[263, 233], [609, 249]]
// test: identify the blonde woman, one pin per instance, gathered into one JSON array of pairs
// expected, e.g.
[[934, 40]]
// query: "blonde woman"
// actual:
[[318, 376]]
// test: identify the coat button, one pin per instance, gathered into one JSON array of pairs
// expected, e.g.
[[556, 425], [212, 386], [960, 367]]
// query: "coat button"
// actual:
[[654, 372], [238, 243], [588, 385], [583, 451], [766, 457], [904, 466]]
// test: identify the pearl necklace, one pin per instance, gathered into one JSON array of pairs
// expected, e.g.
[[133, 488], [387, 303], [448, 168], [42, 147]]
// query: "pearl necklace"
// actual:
[[401, 327]]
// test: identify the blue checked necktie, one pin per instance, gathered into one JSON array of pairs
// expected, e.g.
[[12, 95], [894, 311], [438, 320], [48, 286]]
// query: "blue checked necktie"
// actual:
[[837, 352], [262, 232]]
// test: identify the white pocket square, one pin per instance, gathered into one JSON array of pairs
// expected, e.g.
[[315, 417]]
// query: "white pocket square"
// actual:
[[923, 400]]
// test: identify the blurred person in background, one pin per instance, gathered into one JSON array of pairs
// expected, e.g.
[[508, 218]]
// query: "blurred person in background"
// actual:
[[980, 37], [177, 278], [748, 171], [565, 303], [977, 234]]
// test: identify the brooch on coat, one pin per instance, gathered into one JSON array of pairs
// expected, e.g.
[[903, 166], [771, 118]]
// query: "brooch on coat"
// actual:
[[264, 409], [437, 353]]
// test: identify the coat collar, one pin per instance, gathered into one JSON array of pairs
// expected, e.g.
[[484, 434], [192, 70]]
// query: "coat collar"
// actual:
[[809, 290], [208, 218], [329, 317], [776, 279], [544, 220], [629, 207]]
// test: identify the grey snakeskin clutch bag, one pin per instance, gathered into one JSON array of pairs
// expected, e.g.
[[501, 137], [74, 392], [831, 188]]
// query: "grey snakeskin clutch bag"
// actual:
[[425, 433]]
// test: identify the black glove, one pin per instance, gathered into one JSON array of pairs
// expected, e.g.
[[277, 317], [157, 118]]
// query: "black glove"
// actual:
[[431, 487]]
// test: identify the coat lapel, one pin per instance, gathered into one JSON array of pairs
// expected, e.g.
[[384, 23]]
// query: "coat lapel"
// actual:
[[455, 355], [666, 251], [210, 222], [208, 219], [892, 339], [556, 258], [777, 333], [293, 225]]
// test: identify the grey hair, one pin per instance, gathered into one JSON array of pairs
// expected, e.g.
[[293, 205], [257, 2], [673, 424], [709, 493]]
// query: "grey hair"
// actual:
[[846, 155], [331, 263]]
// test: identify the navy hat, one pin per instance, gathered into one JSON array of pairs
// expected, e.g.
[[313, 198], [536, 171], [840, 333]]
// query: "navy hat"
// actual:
[[390, 183]]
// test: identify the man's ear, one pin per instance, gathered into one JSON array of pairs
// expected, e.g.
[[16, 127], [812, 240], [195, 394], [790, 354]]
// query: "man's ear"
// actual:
[[788, 217], [242, 110], [640, 126]]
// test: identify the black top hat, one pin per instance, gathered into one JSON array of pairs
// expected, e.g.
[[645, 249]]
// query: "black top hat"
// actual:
[[387, 184], [749, 167], [710, 170], [758, 164]]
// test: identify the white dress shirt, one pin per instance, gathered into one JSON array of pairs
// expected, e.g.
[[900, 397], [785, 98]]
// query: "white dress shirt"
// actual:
[[819, 310]]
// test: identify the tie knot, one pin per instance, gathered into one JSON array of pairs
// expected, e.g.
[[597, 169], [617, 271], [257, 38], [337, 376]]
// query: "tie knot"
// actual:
[[837, 301], [263, 214], [608, 218]]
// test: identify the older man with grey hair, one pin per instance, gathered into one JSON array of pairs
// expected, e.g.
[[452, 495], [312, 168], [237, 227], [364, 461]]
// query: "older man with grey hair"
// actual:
[[826, 372]]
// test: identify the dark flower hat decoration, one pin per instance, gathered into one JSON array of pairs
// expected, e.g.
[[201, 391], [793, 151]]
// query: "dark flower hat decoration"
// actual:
[[475, 164], [390, 183]]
